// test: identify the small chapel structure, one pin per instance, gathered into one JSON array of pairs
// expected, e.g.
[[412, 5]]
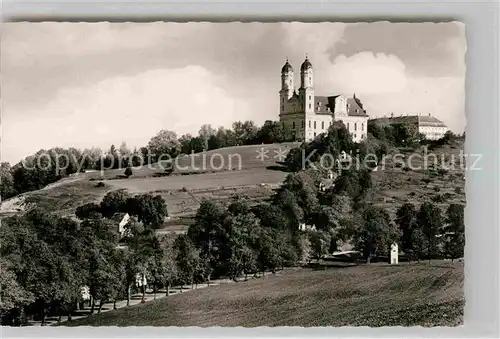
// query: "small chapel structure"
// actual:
[[394, 256]]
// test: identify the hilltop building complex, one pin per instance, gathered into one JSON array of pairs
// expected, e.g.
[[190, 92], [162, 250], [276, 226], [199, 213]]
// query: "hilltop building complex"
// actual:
[[430, 126], [304, 115]]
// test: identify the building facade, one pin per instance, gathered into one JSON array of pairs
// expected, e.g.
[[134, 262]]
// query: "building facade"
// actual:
[[430, 126], [305, 115]]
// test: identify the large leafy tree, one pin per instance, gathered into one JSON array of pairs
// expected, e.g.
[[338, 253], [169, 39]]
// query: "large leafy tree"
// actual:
[[406, 219], [430, 219], [113, 202], [455, 231], [6, 181], [320, 244], [243, 233], [187, 259], [209, 234], [165, 143], [376, 233], [205, 133], [150, 210], [46, 255], [326, 218], [87, 211], [271, 132], [286, 201], [269, 254], [13, 296], [272, 216], [244, 132], [168, 264]]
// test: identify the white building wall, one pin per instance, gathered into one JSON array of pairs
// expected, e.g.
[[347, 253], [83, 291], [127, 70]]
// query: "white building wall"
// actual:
[[317, 124], [357, 127], [433, 132]]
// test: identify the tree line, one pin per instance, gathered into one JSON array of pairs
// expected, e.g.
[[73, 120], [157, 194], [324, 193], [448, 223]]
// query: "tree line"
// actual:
[[47, 166]]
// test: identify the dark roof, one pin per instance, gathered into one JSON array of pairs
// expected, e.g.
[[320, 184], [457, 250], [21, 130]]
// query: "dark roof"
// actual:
[[428, 120], [118, 216], [325, 105], [355, 107], [420, 120], [306, 65], [287, 68], [321, 105]]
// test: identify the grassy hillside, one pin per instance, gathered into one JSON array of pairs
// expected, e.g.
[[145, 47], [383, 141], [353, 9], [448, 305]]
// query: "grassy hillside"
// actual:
[[249, 176], [222, 160], [397, 185], [376, 295]]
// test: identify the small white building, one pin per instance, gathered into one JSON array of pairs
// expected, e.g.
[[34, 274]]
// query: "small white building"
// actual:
[[122, 219], [394, 254], [304, 227]]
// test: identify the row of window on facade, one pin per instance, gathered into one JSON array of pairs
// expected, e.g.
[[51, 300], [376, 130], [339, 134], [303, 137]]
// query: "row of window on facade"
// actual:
[[355, 135], [323, 125]]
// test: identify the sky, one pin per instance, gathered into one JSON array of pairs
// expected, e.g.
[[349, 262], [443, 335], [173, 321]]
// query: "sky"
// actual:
[[97, 84]]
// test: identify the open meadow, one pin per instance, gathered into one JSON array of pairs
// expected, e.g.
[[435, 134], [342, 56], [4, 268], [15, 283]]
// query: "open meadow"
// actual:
[[367, 295]]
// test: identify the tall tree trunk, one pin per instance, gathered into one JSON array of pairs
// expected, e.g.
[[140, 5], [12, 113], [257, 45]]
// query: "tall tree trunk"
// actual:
[[429, 251], [154, 291], [182, 286], [128, 295], [70, 317], [246, 276], [168, 290], [143, 299], [92, 306], [114, 304], [101, 302], [59, 317], [43, 315], [452, 260]]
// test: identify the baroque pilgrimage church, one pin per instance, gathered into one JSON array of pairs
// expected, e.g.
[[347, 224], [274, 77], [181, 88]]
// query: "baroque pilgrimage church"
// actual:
[[305, 115]]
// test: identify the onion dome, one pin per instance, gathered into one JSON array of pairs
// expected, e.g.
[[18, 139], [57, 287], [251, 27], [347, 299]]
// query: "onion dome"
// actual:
[[287, 68], [306, 65]]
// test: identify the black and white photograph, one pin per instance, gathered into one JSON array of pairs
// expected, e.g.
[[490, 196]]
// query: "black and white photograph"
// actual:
[[233, 174]]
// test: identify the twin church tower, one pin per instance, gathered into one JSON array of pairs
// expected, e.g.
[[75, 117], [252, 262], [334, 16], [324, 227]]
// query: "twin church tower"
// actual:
[[305, 115]]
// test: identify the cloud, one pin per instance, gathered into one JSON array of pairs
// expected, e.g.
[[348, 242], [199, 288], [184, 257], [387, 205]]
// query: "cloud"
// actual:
[[130, 109], [23, 43], [96, 84], [384, 85], [368, 73]]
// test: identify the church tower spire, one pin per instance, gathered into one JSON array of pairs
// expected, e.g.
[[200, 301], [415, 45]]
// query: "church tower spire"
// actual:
[[306, 90], [287, 86]]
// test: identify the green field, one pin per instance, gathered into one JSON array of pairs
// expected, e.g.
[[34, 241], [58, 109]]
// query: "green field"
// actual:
[[366, 295]]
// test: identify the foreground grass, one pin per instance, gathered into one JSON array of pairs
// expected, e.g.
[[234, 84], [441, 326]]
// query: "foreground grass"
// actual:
[[376, 295]]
